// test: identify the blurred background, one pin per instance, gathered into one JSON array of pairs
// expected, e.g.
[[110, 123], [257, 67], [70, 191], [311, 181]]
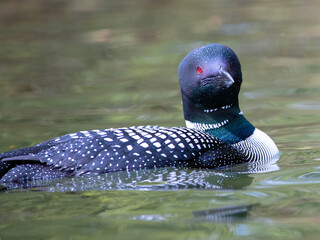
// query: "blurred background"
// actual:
[[67, 66]]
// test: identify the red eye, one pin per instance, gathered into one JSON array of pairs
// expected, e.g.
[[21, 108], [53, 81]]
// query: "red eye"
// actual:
[[231, 67], [200, 71]]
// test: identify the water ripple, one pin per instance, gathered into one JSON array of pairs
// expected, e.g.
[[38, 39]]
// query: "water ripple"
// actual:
[[294, 177]]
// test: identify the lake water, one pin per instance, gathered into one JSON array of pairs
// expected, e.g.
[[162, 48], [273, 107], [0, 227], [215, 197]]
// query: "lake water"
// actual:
[[67, 66]]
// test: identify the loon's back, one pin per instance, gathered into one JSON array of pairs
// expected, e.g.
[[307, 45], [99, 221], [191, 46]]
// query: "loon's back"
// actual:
[[99, 151]]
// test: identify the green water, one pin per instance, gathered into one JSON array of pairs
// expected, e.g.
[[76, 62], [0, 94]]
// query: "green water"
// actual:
[[67, 66]]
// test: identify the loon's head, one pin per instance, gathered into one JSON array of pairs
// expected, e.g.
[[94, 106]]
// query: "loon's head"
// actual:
[[210, 79]]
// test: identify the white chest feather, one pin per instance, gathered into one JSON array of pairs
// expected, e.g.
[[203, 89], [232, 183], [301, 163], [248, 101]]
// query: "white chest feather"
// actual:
[[259, 147]]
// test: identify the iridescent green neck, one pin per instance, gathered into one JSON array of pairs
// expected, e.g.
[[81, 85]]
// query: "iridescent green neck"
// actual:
[[226, 123]]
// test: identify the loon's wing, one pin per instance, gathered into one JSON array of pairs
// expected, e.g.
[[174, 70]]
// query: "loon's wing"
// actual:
[[98, 151]]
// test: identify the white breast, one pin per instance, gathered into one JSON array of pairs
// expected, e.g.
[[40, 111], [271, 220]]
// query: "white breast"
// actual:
[[259, 147]]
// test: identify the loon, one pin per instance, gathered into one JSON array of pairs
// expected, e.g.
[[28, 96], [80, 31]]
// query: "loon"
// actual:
[[216, 133]]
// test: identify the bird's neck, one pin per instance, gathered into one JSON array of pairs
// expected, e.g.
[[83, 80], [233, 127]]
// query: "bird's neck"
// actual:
[[225, 122]]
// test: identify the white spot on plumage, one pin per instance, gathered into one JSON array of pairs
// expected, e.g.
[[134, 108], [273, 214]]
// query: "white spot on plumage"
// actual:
[[183, 135], [144, 145], [161, 135], [135, 136], [181, 145], [157, 144], [101, 133]]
